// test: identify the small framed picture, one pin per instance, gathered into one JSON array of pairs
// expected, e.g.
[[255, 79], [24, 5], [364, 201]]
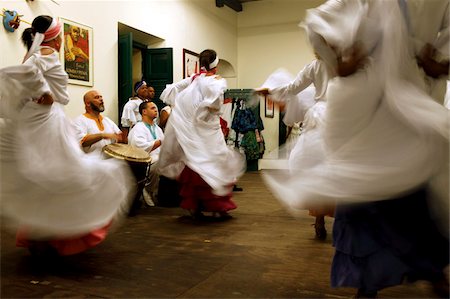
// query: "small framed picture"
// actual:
[[269, 107], [77, 52], [191, 63]]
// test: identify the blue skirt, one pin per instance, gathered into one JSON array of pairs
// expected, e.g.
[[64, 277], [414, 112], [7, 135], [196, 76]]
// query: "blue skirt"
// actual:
[[380, 244]]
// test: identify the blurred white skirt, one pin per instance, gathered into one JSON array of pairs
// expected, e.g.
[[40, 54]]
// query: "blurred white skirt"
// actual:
[[371, 150], [48, 185]]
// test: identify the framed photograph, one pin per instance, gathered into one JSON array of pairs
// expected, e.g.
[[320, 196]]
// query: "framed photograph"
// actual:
[[269, 107], [76, 52], [190, 63]]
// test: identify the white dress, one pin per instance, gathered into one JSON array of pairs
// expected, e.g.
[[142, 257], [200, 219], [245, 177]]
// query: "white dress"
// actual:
[[193, 136], [305, 96], [383, 135], [48, 184]]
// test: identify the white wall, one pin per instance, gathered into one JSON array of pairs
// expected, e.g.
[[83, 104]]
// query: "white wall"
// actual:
[[191, 24], [256, 41], [269, 38]]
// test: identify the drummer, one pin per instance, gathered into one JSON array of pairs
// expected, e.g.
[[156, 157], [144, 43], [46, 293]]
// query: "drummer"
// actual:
[[148, 136], [94, 131]]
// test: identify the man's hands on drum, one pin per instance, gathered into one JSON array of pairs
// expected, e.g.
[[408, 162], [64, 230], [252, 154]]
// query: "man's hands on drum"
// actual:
[[117, 137]]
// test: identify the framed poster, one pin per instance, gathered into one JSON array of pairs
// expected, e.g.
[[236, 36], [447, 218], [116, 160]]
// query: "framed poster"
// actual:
[[269, 107], [76, 52], [190, 63]]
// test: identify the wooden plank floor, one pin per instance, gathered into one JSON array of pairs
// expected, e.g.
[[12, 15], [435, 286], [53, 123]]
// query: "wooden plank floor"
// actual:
[[262, 252]]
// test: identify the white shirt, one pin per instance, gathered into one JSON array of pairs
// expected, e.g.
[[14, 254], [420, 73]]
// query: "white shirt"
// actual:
[[87, 125], [140, 136], [130, 113]]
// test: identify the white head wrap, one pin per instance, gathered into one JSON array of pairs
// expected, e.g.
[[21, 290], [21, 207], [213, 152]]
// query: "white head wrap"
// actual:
[[38, 38], [214, 63]]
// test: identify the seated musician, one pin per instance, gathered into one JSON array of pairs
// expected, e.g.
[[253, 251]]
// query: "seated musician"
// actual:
[[148, 135], [94, 130]]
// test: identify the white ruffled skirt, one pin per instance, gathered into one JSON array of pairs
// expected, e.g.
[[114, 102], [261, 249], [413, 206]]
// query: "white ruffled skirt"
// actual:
[[371, 151], [50, 186]]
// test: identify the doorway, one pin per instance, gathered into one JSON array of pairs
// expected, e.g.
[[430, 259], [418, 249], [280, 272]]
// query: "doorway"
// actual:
[[142, 57]]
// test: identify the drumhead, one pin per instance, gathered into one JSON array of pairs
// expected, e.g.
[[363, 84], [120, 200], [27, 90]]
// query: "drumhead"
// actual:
[[126, 152]]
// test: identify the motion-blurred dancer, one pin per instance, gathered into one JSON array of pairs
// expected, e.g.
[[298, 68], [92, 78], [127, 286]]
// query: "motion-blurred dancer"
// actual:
[[194, 150], [60, 198], [386, 152]]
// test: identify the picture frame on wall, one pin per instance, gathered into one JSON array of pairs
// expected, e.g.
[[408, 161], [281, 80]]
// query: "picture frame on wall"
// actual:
[[191, 63], [77, 52], [269, 107]]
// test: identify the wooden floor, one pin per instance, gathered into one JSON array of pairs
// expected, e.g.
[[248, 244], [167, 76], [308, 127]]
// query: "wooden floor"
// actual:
[[262, 252]]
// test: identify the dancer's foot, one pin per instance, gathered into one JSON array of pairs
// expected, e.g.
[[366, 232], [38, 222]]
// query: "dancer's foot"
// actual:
[[236, 188], [321, 232], [196, 214], [41, 249], [221, 215], [225, 216]]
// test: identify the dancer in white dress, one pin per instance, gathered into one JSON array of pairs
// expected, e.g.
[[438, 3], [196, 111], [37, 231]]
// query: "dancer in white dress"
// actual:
[[309, 149], [194, 150], [385, 140], [50, 188], [376, 115]]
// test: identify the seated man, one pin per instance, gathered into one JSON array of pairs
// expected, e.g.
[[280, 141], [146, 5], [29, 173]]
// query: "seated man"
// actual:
[[130, 113], [150, 93], [94, 130], [148, 135]]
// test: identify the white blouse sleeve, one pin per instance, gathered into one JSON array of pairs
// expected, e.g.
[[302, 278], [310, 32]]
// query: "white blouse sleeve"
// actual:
[[212, 89], [285, 93], [54, 75], [172, 90], [19, 84]]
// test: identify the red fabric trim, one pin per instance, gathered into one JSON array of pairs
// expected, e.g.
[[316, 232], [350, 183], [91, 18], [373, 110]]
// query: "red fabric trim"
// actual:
[[196, 194]]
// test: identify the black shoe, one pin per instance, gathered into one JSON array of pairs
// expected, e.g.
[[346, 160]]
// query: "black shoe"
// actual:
[[236, 188], [197, 215]]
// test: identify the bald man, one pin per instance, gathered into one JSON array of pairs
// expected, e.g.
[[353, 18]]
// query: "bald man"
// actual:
[[94, 131]]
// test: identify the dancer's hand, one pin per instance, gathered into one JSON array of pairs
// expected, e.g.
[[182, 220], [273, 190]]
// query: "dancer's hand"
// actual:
[[45, 99], [430, 66], [351, 60]]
